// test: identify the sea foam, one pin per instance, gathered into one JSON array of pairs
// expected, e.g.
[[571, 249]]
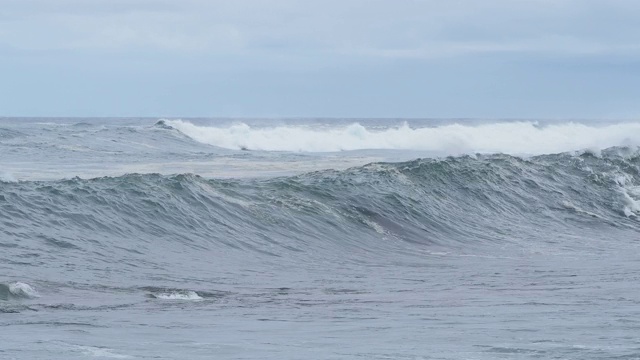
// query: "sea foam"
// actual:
[[23, 290], [523, 137], [7, 177], [178, 295]]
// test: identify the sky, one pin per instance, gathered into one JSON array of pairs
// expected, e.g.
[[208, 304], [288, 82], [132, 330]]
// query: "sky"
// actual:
[[551, 59]]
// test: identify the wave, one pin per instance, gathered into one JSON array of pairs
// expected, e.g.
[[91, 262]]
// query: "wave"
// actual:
[[6, 134], [17, 290], [456, 202], [95, 351], [516, 138], [181, 294], [177, 295], [6, 177]]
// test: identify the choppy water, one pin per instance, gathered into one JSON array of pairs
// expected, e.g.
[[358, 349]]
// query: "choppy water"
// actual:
[[201, 239]]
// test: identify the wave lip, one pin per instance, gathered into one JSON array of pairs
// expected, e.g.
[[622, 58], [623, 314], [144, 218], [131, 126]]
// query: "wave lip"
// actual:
[[162, 124], [515, 138]]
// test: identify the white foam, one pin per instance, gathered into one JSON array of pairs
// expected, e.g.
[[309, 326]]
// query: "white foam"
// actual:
[[21, 289], [631, 197], [100, 352], [375, 226], [178, 295], [524, 137], [6, 177]]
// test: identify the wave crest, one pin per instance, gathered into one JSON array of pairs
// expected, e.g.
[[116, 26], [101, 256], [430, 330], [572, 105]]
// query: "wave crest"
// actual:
[[523, 137]]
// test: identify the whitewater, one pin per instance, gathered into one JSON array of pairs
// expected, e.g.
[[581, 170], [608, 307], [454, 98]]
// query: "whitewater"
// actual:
[[516, 137], [319, 239]]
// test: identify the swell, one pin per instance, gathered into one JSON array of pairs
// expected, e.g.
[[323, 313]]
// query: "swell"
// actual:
[[457, 202]]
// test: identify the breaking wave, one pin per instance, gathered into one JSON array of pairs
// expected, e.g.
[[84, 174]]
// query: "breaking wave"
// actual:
[[516, 138], [17, 290]]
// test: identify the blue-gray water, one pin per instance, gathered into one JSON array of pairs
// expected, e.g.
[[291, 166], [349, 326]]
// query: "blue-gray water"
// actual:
[[319, 239]]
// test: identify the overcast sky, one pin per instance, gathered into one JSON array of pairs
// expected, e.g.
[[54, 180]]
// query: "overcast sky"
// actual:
[[329, 58]]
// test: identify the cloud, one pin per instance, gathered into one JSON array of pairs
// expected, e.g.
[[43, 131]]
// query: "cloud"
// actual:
[[548, 45], [470, 58], [122, 25], [376, 28]]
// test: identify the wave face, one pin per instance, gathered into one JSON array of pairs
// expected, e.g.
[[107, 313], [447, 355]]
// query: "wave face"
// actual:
[[370, 211], [516, 138]]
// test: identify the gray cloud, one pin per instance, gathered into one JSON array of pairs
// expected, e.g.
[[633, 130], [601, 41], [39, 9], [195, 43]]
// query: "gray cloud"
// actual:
[[405, 28]]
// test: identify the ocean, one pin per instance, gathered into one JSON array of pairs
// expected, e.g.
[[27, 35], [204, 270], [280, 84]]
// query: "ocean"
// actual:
[[140, 238]]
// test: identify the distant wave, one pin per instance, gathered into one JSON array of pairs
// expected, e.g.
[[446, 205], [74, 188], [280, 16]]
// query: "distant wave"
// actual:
[[17, 290], [6, 177], [181, 294], [517, 138], [177, 295]]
